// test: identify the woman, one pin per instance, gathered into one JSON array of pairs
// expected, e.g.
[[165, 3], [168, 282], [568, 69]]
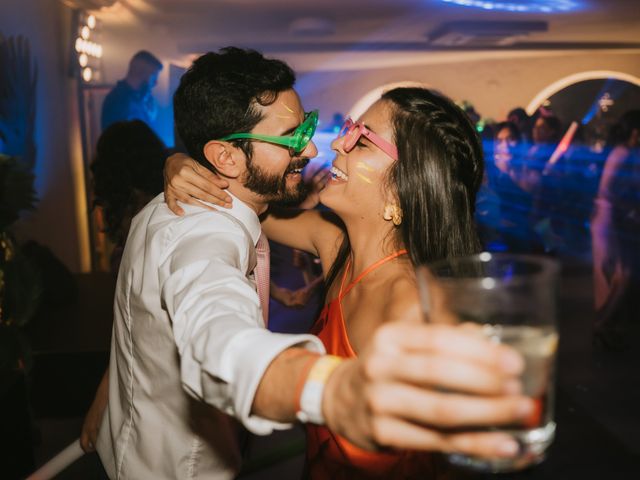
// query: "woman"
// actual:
[[127, 174], [512, 180], [615, 232], [403, 185]]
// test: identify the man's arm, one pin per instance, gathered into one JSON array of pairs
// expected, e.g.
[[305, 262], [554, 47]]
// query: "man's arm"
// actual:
[[216, 318]]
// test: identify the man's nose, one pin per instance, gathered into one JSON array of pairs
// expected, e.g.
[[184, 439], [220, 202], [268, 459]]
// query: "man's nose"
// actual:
[[310, 150]]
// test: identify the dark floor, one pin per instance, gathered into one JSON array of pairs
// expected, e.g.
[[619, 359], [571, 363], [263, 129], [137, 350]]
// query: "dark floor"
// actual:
[[598, 391]]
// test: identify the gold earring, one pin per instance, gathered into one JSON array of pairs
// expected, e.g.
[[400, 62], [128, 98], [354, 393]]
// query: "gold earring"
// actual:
[[394, 213]]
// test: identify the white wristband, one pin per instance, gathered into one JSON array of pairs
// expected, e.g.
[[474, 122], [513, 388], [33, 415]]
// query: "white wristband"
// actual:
[[311, 396]]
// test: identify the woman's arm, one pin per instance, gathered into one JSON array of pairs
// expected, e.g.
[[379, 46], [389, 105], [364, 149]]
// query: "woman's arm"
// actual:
[[319, 233], [187, 181]]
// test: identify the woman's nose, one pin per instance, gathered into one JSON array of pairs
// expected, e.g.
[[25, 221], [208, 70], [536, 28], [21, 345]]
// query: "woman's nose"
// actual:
[[338, 145]]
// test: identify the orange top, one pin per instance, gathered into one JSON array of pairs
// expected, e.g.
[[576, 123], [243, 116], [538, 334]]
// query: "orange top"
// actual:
[[331, 457]]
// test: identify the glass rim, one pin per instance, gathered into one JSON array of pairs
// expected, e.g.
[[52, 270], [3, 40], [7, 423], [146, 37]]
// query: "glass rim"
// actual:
[[549, 268]]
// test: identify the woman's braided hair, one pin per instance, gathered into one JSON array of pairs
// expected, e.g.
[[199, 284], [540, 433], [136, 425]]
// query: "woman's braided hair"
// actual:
[[437, 176]]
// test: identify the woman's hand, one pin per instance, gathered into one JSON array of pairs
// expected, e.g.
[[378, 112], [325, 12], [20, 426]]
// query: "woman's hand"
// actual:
[[93, 419], [428, 387], [187, 181]]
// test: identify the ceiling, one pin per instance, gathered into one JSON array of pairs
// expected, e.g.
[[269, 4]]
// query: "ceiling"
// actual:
[[373, 25]]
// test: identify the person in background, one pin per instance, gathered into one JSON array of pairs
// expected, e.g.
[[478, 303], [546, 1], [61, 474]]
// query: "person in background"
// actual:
[[296, 276], [518, 116], [127, 174], [131, 98], [511, 180], [545, 135], [615, 233]]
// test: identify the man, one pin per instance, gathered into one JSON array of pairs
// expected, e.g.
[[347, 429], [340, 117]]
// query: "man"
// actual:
[[190, 349], [131, 98]]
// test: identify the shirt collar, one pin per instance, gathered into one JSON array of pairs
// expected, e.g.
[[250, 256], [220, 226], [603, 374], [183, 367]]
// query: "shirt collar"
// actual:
[[245, 214]]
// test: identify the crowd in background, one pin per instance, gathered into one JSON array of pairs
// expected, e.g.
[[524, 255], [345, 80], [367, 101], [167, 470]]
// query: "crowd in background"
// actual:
[[557, 189]]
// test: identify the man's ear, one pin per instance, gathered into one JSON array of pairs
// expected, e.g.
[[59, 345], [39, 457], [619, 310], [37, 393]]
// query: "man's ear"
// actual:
[[226, 159]]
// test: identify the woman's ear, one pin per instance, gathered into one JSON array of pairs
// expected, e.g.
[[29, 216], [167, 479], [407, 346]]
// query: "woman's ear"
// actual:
[[392, 210], [225, 158]]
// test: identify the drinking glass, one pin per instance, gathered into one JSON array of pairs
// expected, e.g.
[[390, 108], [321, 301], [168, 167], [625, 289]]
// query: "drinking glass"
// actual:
[[513, 300]]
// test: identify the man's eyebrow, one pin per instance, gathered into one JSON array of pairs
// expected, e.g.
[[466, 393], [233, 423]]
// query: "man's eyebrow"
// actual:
[[290, 131]]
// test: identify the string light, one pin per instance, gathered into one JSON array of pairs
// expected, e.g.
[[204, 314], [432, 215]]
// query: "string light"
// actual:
[[88, 50]]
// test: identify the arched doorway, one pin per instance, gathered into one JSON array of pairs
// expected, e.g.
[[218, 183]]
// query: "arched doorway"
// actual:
[[594, 100]]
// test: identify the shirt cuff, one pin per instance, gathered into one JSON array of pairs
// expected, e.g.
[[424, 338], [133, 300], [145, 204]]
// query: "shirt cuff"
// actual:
[[247, 356]]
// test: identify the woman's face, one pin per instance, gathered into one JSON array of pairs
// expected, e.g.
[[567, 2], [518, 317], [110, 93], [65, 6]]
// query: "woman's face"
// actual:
[[504, 146], [357, 187], [542, 131]]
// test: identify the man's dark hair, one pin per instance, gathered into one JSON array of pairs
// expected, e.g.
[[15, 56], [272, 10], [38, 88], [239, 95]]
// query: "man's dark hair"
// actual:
[[148, 57], [218, 95], [514, 131]]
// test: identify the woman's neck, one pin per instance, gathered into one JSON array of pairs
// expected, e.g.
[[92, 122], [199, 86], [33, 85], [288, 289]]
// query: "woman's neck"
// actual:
[[369, 243]]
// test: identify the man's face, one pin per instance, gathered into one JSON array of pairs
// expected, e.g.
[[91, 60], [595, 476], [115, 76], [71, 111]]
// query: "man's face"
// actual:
[[151, 73], [271, 171], [541, 132]]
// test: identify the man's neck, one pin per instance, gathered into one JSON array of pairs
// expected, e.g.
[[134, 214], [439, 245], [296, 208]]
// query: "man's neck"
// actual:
[[133, 82], [254, 201]]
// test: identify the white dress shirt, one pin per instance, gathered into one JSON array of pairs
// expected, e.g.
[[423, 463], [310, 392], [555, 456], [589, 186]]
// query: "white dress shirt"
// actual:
[[189, 345]]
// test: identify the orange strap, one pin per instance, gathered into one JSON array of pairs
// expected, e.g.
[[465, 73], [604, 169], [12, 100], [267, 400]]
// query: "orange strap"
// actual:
[[365, 272]]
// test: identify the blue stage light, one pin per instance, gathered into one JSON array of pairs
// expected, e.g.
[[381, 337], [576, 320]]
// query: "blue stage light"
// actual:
[[533, 6]]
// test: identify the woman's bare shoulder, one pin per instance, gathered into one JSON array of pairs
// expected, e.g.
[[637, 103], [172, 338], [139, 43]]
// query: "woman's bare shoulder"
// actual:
[[403, 300]]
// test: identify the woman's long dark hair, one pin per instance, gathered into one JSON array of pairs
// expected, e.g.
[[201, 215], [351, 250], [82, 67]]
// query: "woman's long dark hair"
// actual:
[[436, 177], [128, 163]]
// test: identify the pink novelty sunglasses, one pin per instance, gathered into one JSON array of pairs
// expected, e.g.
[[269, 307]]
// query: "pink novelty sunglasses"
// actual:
[[352, 131]]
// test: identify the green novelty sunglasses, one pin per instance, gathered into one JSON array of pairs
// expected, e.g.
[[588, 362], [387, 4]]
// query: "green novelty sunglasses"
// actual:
[[296, 142]]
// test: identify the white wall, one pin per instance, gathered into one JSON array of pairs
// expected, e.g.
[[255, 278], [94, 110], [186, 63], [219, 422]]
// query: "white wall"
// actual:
[[58, 221], [494, 82]]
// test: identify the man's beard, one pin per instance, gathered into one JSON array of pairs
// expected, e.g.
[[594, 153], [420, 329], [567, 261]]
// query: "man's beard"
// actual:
[[274, 187]]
